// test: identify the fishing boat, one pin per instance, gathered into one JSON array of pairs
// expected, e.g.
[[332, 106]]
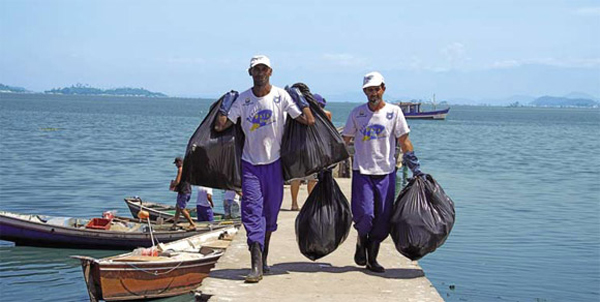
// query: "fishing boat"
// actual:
[[163, 271], [412, 110], [159, 211], [94, 233]]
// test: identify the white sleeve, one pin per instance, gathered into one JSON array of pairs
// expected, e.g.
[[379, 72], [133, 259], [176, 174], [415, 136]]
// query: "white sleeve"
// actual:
[[289, 106], [401, 127]]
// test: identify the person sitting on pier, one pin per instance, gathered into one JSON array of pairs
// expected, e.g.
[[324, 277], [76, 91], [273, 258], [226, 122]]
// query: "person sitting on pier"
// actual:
[[263, 110], [376, 128]]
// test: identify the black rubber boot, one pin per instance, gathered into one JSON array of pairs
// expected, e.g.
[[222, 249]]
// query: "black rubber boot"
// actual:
[[372, 251], [256, 272], [265, 253], [360, 256]]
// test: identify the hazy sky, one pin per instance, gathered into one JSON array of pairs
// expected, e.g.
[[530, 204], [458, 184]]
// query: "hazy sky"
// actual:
[[473, 49]]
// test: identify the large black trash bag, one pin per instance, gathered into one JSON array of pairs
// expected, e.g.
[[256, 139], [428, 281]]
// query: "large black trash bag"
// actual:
[[309, 149], [325, 219], [213, 159], [422, 218]]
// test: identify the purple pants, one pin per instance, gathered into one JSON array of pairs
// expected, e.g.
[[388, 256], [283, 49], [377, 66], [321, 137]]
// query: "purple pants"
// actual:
[[372, 202], [262, 188], [182, 200], [204, 213]]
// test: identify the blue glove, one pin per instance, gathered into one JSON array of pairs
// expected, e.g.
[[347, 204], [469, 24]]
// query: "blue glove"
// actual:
[[412, 162], [227, 102], [297, 96]]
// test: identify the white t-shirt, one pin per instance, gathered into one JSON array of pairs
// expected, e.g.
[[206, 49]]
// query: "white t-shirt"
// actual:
[[263, 120], [231, 195], [202, 199], [375, 137]]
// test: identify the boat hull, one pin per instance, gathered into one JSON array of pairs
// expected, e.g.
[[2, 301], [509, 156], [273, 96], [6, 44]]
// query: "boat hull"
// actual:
[[128, 281], [159, 211], [435, 115], [134, 205], [177, 268], [30, 233]]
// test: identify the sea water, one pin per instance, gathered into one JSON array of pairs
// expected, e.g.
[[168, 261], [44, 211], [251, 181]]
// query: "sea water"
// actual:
[[525, 182]]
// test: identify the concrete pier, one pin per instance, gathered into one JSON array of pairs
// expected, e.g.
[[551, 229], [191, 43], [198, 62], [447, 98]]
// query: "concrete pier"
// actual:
[[335, 277]]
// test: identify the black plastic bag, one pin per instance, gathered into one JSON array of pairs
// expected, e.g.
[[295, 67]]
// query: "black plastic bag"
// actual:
[[325, 219], [422, 218], [309, 149], [214, 159]]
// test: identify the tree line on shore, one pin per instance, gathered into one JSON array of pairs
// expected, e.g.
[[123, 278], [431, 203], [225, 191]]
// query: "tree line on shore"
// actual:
[[81, 89]]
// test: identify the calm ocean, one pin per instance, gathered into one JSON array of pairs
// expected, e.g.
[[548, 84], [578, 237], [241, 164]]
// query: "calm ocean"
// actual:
[[525, 181]]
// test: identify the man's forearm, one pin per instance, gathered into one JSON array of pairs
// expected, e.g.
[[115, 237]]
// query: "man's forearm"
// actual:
[[306, 118], [405, 144]]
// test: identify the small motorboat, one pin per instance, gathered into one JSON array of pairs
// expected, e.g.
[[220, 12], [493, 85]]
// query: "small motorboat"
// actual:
[[163, 271], [161, 212], [412, 110], [95, 233]]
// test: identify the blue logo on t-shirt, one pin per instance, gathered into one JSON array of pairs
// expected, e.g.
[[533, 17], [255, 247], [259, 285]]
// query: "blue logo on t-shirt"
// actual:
[[261, 118], [374, 131]]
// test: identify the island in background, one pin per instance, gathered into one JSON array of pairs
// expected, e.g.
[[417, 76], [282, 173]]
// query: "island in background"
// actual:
[[82, 89], [571, 100]]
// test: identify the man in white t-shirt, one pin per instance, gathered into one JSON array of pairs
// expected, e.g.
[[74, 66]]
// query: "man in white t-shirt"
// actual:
[[262, 111], [231, 204], [204, 204], [376, 128]]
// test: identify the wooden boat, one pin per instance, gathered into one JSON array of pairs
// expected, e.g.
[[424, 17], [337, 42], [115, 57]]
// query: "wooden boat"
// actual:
[[159, 211], [95, 233], [412, 110], [175, 268]]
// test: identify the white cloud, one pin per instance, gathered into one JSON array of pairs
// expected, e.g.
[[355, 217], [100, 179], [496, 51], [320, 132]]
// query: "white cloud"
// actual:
[[343, 59], [178, 60], [506, 64], [415, 63], [455, 52], [588, 11], [566, 63]]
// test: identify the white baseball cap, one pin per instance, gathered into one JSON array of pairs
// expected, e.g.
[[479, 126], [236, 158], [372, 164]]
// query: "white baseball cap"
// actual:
[[260, 59], [372, 79]]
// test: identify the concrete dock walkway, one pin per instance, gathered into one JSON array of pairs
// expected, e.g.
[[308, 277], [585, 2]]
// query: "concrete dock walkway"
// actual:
[[335, 277]]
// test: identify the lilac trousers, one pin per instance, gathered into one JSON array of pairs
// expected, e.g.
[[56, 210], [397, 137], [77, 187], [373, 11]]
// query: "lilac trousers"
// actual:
[[262, 188], [204, 213], [372, 202], [182, 200]]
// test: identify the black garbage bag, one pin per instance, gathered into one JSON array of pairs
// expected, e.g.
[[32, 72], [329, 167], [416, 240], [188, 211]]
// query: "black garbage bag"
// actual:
[[214, 159], [325, 219], [422, 218], [309, 149]]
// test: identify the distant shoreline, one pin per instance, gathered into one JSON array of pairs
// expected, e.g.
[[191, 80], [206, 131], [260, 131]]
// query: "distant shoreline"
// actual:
[[589, 105], [101, 95]]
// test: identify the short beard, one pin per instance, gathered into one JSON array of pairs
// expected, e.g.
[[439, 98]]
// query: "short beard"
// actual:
[[374, 101]]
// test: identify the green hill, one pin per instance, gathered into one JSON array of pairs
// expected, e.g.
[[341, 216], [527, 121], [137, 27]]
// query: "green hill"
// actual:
[[80, 89], [550, 101], [6, 88]]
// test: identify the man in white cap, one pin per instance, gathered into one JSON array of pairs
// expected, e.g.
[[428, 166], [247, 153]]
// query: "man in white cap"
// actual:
[[262, 111], [376, 128]]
